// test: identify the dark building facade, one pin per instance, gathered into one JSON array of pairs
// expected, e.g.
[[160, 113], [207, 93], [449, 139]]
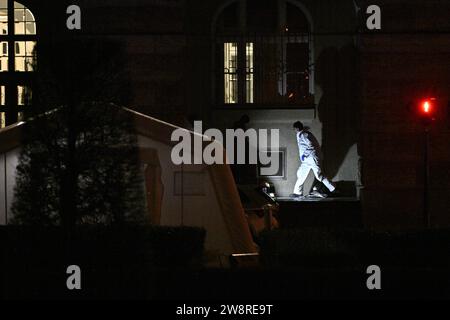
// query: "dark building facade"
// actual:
[[278, 61]]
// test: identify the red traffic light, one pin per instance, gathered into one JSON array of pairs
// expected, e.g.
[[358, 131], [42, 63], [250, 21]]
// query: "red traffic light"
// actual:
[[427, 106]]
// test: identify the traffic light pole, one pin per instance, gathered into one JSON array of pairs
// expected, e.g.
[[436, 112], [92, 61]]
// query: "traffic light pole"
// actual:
[[427, 111], [426, 212]]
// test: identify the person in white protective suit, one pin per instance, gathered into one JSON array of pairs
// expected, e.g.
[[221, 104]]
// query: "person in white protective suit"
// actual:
[[309, 150]]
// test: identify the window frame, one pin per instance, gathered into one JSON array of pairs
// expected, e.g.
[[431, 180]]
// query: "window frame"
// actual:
[[12, 79], [242, 37]]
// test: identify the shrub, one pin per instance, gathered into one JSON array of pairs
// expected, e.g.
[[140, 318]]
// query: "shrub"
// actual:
[[154, 246], [115, 261], [79, 159], [355, 247]]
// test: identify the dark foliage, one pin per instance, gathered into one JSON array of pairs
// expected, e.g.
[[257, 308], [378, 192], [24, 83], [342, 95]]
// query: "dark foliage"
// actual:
[[316, 247], [115, 262], [79, 162]]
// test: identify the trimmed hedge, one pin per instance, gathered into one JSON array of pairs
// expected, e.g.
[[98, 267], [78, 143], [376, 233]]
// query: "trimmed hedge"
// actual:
[[155, 246], [116, 262], [320, 247]]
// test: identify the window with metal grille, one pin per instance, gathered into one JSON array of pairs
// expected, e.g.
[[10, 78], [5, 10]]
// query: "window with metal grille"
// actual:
[[263, 55], [17, 60]]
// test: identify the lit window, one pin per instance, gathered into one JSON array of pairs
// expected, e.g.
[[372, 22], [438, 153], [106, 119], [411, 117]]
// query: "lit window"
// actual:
[[265, 48], [23, 96], [17, 55], [230, 72], [249, 73], [230, 53], [2, 95], [3, 56], [23, 99], [3, 17], [24, 55], [2, 103], [24, 22]]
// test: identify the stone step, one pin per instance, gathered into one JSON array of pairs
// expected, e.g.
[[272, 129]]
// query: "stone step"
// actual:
[[314, 212]]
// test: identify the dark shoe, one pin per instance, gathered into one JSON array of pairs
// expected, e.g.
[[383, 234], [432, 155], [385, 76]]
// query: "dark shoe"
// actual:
[[295, 195]]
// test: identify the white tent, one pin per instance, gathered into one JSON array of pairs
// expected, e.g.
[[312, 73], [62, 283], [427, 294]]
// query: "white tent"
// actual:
[[190, 195]]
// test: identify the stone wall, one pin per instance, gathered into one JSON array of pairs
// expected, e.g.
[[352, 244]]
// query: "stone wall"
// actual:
[[363, 85], [407, 60]]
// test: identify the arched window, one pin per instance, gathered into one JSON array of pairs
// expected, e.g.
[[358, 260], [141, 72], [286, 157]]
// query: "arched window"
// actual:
[[263, 55], [17, 60]]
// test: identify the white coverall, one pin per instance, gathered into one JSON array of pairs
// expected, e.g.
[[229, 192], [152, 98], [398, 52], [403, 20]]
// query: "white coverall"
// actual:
[[309, 150]]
